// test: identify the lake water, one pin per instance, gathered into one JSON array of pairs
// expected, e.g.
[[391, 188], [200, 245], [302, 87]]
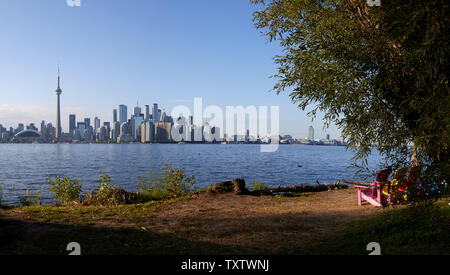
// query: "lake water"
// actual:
[[24, 166]]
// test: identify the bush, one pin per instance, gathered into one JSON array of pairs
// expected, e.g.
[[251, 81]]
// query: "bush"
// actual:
[[172, 183], [29, 200], [259, 185], [107, 194], [65, 189]]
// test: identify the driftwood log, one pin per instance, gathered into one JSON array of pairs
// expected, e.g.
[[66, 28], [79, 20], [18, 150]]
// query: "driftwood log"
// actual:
[[238, 187], [301, 188]]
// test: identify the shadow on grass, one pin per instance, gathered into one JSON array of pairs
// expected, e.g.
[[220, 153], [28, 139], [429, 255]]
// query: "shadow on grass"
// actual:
[[19, 237], [400, 231]]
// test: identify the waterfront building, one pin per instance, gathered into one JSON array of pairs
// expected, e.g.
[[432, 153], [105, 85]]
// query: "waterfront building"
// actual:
[[311, 133], [27, 136], [123, 114], [43, 131], [51, 131], [163, 132], [87, 121], [31, 126], [20, 128], [137, 110], [58, 110], [96, 124], [102, 134], [81, 130], [72, 124], [135, 124], [115, 131], [147, 113], [155, 112], [124, 135], [114, 115], [147, 132]]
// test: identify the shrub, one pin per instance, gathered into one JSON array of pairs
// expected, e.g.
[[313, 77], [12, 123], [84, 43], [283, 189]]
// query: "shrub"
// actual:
[[172, 183], [64, 189], [29, 200], [259, 185], [107, 194]]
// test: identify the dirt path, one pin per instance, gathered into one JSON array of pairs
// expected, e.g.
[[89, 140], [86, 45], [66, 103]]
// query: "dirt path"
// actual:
[[224, 223]]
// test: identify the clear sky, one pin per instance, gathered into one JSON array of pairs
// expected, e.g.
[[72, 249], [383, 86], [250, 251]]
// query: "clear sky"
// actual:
[[115, 52]]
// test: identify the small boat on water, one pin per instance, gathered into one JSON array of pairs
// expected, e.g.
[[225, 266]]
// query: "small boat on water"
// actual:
[[181, 142]]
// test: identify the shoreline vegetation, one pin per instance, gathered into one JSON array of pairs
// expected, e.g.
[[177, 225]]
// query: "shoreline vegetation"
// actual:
[[166, 216]]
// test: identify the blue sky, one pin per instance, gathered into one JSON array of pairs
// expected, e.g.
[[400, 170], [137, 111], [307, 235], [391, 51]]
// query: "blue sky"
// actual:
[[115, 52]]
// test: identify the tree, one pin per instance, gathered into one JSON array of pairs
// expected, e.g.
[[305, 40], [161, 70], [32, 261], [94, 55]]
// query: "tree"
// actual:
[[379, 73]]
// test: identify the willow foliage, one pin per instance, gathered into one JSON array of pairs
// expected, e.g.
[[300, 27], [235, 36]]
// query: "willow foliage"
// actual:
[[379, 73]]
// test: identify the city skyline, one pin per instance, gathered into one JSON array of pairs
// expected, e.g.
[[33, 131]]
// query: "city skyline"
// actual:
[[157, 126], [150, 51]]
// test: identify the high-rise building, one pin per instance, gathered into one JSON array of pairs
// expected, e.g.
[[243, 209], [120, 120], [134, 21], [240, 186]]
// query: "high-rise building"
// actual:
[[87, 121], [137, 110], [81, 129], [115, 131], [19, 128], [147, 132], [155, 112], [311, 133], [136, 123], [147, 113], [114, 115], [96, 124], [163, 132], [58, 91], [72, 124], [123, 114], [43, 130]]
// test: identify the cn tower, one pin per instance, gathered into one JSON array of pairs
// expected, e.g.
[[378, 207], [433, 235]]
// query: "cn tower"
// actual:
[[58, 113]]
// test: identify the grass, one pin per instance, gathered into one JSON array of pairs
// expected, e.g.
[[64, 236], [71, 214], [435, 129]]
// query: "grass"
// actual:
[[228, 224], [411, 230]]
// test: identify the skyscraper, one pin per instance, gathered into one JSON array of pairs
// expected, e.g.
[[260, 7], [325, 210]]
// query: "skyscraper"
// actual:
[[58, 111], [43, 130], [87, 121], [155, 112], [114, 115], [147, 113], [72, 125], [311, 133], [123, 114], [137, 110], [96, 124]]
